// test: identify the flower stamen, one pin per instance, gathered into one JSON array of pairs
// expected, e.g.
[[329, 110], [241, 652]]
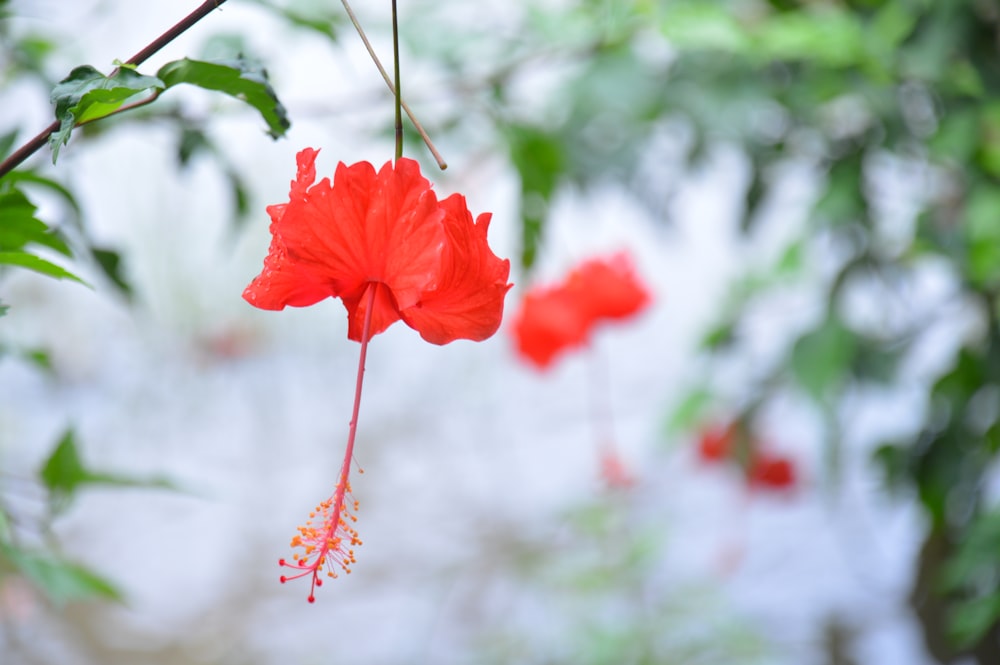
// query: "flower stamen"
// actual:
[[327, 540]]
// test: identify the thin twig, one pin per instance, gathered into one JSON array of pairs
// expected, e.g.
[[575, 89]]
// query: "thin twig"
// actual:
[[398, 94], [35, 144], [392, 88]]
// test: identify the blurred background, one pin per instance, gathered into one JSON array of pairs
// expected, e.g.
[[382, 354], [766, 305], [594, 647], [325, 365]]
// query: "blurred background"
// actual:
[[788, 458]]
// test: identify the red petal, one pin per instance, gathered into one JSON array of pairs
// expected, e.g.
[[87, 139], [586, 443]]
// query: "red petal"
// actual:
[[365, 228], [549, 323], [284, 283], [466, 302], [607, 288], [771, 471], [716, 443]]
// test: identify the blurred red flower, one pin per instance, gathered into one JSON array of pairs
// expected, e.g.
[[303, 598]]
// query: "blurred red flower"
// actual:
[[556, 318], [613, 469], [771, 471], [383, 237], [716, 443]]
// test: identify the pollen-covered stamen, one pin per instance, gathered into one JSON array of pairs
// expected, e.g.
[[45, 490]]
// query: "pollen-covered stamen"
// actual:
[[327, 540]]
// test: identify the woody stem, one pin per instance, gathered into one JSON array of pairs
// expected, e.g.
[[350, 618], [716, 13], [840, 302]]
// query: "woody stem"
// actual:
[[353, 429], [36, 143]]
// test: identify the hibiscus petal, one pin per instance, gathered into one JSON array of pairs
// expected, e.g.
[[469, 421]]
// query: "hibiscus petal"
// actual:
[[366, 227], [284, 283], [466, 302], [607, 288], [548, 323]]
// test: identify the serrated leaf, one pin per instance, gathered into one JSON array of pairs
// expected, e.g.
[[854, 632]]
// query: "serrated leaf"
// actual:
[[239, 78], [39, 265], [61, 581], [87, 94]]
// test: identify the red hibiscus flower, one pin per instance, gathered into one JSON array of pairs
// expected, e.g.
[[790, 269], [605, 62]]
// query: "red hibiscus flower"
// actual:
[[771, 471], [716, 443], [383, 244], [556, 318], [383, 237]]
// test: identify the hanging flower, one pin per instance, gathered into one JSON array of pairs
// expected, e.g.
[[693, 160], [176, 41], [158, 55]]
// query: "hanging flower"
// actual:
[[557, 318], [382, 243], [386, 233], [770, 471], [737, 445], [716, 442], [613, 470]]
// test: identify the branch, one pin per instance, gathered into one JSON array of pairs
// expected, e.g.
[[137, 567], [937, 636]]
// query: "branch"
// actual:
[[392, 88], [35, 144]]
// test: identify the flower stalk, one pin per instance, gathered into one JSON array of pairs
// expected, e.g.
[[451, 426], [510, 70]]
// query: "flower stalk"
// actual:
[[331, 545]]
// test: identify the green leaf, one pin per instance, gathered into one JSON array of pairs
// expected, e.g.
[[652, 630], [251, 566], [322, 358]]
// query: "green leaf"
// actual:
[[110, 264], [7, 143], [5, 533], [33, 178], [325, 22], [971, 620], [39, 265], [982, 226], [843, 200], [830, 36], [3, 309], [821, 358], [64, 472], [539, 159], [958, 136], [40, 358], [61, 581], [20, 227], [87, 94], [703, 26], [241, 78], [690, 412]]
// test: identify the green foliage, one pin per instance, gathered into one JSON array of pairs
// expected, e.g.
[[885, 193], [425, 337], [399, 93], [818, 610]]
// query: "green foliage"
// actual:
[[320, 18], [604, 558], [539, 161], [87, 95], [64, 473], [61, 581], [821, 359], [972, 576], [240, 78], [838, 90], [20, 229]]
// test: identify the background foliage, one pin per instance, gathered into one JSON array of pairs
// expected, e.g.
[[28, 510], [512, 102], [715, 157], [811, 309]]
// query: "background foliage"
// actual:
[[885, 112]]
